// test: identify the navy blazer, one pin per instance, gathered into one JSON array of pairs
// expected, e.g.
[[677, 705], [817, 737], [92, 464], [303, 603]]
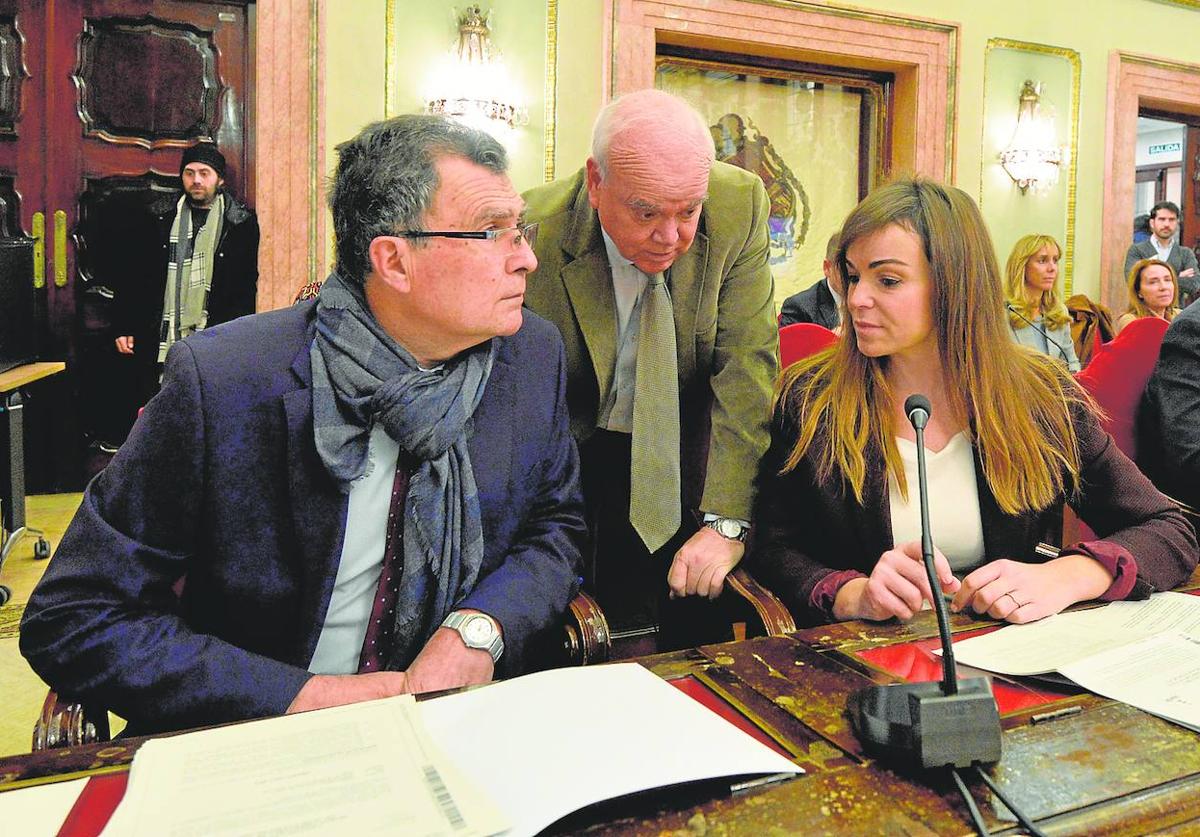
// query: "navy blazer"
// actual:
[[1168, 419], [812, 305], [220, 481]]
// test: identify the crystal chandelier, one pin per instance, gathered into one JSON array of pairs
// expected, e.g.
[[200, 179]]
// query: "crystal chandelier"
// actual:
[[1032, 159], [472, 84]]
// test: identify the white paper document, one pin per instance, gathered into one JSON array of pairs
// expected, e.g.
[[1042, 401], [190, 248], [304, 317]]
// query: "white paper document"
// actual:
[[1159, 675], [1145, 654], [550, 743], [1060, 640], [362, 769], [38, 811]]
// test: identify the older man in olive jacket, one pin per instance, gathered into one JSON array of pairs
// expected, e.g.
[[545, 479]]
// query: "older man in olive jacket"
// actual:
[[653, 265]]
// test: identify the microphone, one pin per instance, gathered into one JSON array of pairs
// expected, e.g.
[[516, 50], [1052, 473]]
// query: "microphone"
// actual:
[[934, 724], [1013, 309]]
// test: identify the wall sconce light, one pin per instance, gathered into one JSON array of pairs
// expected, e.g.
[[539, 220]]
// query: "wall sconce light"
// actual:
[[1032, 158], [472, 85]]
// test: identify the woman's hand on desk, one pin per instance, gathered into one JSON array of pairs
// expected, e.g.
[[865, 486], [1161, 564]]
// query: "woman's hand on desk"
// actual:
[[896, 587], [1018, 592]]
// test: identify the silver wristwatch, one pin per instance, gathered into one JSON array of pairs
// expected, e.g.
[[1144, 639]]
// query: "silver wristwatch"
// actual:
[[729, 528], [478, 630]]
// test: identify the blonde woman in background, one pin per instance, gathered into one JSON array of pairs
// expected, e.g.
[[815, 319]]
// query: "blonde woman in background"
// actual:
[[1037, 314], [1153, 292], [1010, 437]]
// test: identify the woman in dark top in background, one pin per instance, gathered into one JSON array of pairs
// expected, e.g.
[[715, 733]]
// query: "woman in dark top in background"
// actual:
[[1010, 437]]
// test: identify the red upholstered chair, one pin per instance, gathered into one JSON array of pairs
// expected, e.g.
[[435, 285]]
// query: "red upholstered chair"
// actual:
[[1117, 376], [1116, 379], [799, 340]]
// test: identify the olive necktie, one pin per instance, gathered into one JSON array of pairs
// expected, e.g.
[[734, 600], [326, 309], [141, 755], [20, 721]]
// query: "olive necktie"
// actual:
[[654, 457]]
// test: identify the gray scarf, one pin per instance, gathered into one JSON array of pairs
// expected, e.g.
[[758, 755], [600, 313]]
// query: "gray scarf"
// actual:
[[362, 375]]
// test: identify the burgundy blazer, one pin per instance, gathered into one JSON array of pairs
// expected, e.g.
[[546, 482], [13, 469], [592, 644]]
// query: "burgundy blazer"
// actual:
[[804, 531]]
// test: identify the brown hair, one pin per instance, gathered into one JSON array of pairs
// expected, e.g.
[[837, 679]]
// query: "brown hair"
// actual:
[[1016, 402], [1134, 284]]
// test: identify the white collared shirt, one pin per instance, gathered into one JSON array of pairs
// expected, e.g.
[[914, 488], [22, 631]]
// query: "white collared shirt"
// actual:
[[628, 285], [1163, 252], [340, 643]]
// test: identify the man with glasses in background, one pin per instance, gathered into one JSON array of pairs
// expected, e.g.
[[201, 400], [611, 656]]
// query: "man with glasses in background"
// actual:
[[371, 493]]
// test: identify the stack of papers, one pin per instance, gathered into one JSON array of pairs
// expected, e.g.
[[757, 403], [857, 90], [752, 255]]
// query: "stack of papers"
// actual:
[[513, 757], [1146, 654]]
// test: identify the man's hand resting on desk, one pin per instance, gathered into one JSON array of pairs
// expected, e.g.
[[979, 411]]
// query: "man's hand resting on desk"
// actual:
[[896, 587], [701, 564], [444, 663]]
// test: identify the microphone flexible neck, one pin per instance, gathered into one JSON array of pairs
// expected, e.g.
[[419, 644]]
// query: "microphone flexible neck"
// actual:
[[1014, 310]]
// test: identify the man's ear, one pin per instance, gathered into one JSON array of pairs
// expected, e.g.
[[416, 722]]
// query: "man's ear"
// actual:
[[593, 182], [391, 261]]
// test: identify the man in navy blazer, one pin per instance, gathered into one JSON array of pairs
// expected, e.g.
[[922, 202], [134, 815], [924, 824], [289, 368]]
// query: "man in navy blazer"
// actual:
[[380, 478], [817, 304]]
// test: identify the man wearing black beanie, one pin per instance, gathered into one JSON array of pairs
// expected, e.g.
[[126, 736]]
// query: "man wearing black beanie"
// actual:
[[199, 268]]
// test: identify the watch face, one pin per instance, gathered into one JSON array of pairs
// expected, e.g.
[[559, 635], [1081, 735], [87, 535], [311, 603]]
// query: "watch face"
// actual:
[[478, 631], [727, 528]]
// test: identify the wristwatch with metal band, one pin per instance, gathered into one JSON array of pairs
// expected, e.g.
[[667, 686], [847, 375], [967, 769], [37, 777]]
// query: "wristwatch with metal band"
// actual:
[[478, 630], [729, 528]]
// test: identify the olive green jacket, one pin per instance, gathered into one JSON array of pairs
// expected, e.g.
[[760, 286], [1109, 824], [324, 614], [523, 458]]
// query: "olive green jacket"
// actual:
[[723, 298]]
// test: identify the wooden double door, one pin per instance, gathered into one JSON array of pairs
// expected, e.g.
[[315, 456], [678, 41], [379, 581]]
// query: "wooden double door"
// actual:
[[98, 99]]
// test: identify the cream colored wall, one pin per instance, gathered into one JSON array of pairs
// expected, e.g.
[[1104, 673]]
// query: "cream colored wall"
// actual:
[[1093, 28]]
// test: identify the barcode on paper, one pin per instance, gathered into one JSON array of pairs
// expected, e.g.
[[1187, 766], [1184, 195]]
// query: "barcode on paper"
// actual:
[[443, 798]]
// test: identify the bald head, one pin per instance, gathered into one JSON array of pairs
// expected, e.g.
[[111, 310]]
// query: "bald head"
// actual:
[[648, 176], [648, 125]]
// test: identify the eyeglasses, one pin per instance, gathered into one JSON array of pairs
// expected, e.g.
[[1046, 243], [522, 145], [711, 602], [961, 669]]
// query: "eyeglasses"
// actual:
[[516, 236]]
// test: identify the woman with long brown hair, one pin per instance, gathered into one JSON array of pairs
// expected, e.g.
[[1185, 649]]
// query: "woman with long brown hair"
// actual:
[[1153, 292], [1010, 437]]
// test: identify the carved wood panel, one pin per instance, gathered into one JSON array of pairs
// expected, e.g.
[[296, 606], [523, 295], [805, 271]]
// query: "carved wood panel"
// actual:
[[116, 213], [146, 81], [12, 74]]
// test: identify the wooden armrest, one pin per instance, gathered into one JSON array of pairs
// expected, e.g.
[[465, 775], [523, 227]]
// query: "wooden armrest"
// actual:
[[66, 723], [586, 638], [774, 616]]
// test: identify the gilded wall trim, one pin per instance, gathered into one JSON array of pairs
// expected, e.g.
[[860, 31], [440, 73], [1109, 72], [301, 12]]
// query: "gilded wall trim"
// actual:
[[1073, 164], [390, 70], [550, 91], [316, 212], [1187, 4]]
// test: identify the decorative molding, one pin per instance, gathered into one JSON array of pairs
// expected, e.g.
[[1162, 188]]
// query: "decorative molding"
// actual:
[[922, 53], [1187, 4], [550, 91], [1133, 80], [316, 215], [289, 121], [1073, 165], [390, 69]]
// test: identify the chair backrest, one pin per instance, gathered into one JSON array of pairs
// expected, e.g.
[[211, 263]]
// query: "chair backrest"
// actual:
[[1117, 377], [799, 340]]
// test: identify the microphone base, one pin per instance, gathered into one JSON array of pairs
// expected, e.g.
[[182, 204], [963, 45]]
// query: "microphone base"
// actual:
[[915, 724]]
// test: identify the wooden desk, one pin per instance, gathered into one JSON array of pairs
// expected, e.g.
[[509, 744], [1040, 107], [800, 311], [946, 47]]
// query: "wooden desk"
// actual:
[[1107, 769], [12, 500]]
